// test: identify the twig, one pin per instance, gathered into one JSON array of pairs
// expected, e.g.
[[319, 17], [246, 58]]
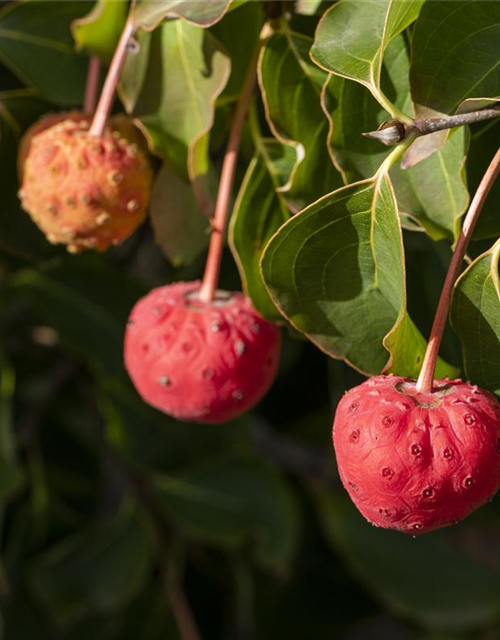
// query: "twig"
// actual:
[[183, 615], [92, 85], [108, 90], [394, 131], [212, 269], [426, 377]]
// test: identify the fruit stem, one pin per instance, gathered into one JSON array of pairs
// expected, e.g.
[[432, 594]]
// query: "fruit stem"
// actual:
[[212, 269], [92, 84], [426, 377], [108, 90]]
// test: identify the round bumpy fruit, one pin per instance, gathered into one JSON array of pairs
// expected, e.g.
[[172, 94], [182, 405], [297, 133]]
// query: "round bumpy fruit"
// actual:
[[197, 361], [416, 462], [83, 191]]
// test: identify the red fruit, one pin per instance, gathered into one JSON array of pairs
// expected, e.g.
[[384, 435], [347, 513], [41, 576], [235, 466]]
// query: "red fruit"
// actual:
[[83, 191], [416, 462], [201, 362]]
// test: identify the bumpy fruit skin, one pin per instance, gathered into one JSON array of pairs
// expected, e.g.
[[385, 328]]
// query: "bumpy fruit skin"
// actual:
[[83, 191], [200, 362], [417, 462]]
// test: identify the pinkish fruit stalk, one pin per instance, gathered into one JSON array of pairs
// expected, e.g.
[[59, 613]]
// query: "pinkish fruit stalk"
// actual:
[[82, 191], [198, 361], [416, 462]]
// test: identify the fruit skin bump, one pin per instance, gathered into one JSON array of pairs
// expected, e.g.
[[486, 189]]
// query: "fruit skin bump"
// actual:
[[197, 361], [83, 191], [417, 462]]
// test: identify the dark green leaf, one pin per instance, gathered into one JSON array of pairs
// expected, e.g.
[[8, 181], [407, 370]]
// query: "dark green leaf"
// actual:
[[18, 234], [35, 39], [291, 87], [181, 230], [99, 569], [246, 21], [11, 476], [258, 213], [484, 145], [232, 500], [431, 579], [352, 37], [475, 316], [455, 54], [149, 13], [87, 302], [336, 271], [99, 31]]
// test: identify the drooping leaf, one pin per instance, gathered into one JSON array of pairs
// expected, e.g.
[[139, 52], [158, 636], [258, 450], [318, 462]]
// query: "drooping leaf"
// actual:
[[433, 580], [353, 34], [455, 54], [336, 271], [434, 192], [86, 302], [148, 14], [98, 569], [183, 71], [258, 213], [99, 31], [475, 317], [19, 236], [233, 500], [181, 229], [35, 39], [291, 87]]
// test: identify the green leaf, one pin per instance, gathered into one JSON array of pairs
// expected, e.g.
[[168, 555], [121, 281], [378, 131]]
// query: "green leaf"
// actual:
[[232, 500], [246, 22], [352, 37], [11, 476], [291, 87], [148, 14], [436, 580], [407, 348], [98, 32], [183, 71], [19, 236], [180, 229], [455, 54], [98, 569], [336, 271], [258, 213], [35, 39], [434, 192], [87, 302], [155, 441], [475, 317], [484, 145]]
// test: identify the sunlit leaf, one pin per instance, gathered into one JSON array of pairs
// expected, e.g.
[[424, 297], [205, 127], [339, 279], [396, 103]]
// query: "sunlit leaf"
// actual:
[[353, 34], [148, 14], [98, 32]]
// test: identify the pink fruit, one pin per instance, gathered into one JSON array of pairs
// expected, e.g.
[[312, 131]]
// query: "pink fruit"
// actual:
[[83, 191], [196, 361], [416, 462]]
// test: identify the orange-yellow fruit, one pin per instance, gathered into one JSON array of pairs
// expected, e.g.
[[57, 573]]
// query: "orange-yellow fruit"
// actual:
[[84, 191]]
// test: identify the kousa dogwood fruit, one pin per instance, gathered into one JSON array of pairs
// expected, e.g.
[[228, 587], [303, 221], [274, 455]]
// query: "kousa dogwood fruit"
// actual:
[[199, 361], [83, 191], [413, 461]]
